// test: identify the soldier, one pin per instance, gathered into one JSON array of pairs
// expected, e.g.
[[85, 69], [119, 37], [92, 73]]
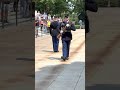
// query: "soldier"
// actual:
[[54, 31], [91, 6], [67, 26]]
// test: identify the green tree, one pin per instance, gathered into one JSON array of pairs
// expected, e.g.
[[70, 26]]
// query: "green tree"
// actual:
[[51, 6], [79, 6]]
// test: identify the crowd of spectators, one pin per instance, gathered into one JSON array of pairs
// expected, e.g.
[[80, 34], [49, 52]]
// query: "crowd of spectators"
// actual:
[[43, 21]]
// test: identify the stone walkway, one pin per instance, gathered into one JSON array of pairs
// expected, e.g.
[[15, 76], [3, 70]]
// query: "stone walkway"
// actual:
[[17, 57], [53, 74]]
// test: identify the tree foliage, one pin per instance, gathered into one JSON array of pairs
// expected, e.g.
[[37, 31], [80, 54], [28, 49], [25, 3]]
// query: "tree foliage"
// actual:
[[51, 6], [79, 5], [59, 6]]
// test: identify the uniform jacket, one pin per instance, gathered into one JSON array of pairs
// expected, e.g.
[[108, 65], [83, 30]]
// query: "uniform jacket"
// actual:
[[54, 28], [68, 35]]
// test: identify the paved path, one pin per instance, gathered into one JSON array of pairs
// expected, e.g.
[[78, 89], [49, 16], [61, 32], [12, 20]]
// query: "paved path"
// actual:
[[53, 74], [17, 57]]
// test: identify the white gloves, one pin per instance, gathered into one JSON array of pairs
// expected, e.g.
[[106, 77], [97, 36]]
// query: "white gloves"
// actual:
[[67, 25]]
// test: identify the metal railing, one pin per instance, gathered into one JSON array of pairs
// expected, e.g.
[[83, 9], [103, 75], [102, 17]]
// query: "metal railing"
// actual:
[[4, 2]]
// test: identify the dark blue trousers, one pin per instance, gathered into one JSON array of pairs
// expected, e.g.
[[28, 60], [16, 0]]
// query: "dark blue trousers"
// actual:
[[66, 48], [55, 41]]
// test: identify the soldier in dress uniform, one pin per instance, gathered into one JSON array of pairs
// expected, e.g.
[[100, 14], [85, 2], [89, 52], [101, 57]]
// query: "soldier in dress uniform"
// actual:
[[54, 31], [66, 27]]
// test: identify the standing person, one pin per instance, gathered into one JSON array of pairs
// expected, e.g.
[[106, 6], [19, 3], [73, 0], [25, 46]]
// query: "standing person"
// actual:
[[66, 37], [49, 17], [1, 11], [54, 31], [15, 4], [41, 24], [0, 5], [36, 27], [5, 12], [22, 8], [80, 22], [28, 9], [45, 26], [48, 26], [91, 6]]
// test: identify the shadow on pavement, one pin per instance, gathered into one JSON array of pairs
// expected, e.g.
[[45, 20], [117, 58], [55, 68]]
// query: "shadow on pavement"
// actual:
[[54, 58], [45, 76], [32, 76], [46, 51], [104, 87]]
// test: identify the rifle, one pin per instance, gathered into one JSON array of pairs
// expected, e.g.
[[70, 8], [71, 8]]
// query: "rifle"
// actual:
[[63, 29]]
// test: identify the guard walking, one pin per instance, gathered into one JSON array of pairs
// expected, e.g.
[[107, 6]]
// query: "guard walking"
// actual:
[[54, 31], [66, 27]]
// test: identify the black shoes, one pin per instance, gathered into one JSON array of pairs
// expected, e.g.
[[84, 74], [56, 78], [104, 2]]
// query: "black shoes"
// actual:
[[64, 58]]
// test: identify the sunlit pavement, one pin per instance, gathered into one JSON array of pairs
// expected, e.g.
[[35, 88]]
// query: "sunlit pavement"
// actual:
[[53, 74]]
